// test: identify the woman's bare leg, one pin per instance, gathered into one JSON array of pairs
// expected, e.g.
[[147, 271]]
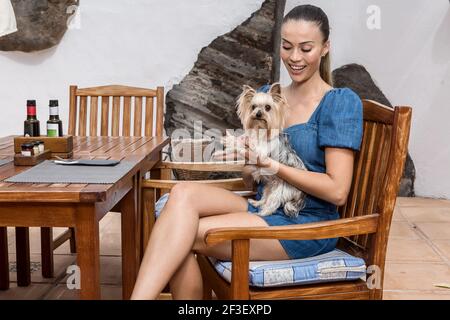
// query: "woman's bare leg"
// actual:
[[187, 281], [175, 232]]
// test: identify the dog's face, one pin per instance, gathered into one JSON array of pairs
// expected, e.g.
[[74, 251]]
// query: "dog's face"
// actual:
[[259, 110]]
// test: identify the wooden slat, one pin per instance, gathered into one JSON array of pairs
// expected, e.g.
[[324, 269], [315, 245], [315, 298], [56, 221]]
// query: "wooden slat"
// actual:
[[240, 267], [105, 116], [138, 116], [149, 116], [72, 110], [93, 119], [350, 206], [116, 90], [126, 123], [115, 120], [365, 171], [334, 290], [159, 111], [235, 184], [374, 111], [82, 124], [232, 166], [307, 231]]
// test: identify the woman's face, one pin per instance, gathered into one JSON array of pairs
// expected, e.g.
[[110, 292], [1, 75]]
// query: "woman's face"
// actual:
[[302, 48]]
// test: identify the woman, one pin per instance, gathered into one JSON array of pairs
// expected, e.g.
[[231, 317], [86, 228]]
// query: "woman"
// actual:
[[324, 126]]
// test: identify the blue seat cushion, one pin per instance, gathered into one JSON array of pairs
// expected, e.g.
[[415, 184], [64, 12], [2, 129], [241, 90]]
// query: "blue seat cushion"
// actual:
[[335, 265]]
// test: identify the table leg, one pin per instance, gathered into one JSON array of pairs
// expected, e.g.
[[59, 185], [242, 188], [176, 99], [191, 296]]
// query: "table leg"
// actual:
[[47, 252], [4, 260], [88, 251], [23, 256], [130, 236]]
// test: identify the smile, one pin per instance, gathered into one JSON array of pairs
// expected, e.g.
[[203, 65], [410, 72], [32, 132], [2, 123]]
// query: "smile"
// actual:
[[297, 68]]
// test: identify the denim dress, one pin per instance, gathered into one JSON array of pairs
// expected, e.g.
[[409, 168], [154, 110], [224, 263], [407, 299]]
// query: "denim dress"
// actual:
[[336, 122]]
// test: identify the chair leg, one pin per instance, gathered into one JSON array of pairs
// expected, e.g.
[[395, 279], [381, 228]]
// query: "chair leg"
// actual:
[[23, 256], [207, 291], [4, 259], [47, 252], [73, 244]]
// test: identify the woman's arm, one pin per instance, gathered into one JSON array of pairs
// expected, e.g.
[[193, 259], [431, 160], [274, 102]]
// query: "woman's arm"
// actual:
[[332, 186]]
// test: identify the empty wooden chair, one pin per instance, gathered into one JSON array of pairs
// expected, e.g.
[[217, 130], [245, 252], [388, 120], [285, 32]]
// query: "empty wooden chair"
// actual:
[[363, 228], [112, 110]]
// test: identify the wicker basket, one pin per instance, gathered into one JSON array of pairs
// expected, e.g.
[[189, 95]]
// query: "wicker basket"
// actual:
[[195, 146]]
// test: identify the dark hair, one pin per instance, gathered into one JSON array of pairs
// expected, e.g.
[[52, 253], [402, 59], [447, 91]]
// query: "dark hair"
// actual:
[[314, 14]]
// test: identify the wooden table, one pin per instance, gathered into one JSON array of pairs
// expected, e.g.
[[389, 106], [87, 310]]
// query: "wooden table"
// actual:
[[82, 206]]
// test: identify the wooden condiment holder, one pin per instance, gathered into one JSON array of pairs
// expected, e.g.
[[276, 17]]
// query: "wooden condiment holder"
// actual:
[[20, 160], [58, 146]]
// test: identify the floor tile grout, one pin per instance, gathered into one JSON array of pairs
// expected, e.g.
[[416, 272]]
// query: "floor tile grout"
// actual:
[[416, 229]]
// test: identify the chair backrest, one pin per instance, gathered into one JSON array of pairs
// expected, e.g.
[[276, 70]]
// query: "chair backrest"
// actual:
[[97, 111], [376, 177]]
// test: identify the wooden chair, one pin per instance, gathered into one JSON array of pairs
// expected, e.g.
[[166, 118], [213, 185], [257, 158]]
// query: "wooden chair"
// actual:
[[105, 105], [363, 227]]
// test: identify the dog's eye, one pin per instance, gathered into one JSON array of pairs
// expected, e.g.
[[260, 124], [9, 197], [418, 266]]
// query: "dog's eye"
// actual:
[[268, 107], [253, 107]]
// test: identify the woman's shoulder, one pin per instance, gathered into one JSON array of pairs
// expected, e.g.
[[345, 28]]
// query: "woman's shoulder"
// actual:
[[342, 100]]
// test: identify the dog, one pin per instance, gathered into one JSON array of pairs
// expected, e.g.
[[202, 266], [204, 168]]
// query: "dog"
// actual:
[[263, 117]]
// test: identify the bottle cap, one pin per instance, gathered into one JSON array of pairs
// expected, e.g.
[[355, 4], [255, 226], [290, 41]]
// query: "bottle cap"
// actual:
[[27, 145], [54, 103], [31, 102]]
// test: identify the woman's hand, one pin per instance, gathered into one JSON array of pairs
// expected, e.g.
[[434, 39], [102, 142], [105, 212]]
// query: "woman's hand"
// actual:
[[252, 157]]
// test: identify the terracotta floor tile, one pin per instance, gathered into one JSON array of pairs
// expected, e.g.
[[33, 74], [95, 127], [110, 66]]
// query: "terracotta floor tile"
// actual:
[[110, 271], [421, 202], [402, 230], [411, 250], [415, 295], [61, 262], [33, 292], [35, 241], [435, 230], [444, 247], [111, 243], [426, 214], [61, 292], [398, 215], [416, 276]]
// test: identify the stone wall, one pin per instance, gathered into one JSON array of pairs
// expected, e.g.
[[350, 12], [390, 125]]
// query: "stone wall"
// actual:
[[246, 55]]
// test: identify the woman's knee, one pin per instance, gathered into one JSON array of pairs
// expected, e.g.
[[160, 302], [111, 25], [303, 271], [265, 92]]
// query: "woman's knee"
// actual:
[[183, 192]]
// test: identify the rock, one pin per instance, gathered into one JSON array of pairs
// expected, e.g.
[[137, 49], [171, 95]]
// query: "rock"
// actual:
[[41, 24], [246, 55], [357, 78]]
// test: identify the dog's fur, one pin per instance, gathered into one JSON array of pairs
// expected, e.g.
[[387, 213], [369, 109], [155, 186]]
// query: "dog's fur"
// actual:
[[266, 111]]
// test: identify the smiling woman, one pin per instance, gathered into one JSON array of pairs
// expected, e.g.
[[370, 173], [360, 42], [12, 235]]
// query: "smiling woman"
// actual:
[[305, 43], [326, 141]]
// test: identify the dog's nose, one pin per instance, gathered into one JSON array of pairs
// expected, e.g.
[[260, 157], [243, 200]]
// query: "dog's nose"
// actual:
[[259, 114]]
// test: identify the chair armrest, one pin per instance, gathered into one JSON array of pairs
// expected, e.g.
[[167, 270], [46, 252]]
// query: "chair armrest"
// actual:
[[234, 184], [308, 231], [229, 166]]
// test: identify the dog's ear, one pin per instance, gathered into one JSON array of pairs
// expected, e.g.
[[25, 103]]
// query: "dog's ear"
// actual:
[[248, 92], [275, 89]]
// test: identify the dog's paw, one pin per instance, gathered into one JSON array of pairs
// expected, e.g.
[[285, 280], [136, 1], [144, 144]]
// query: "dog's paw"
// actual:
[[264, 213], [255, 203]]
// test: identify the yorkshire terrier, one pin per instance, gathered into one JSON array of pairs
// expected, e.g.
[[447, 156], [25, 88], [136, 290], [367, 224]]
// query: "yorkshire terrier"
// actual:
[[263, 118]]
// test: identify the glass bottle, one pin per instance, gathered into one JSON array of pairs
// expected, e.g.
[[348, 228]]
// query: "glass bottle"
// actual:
[[31, 126], [54, 124]]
